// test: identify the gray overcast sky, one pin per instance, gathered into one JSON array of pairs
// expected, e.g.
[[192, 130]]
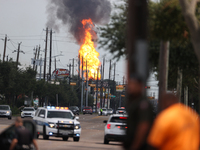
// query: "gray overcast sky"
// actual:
[[24, 21]]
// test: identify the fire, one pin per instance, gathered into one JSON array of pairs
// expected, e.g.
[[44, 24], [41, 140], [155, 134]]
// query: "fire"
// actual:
[[88, 53]]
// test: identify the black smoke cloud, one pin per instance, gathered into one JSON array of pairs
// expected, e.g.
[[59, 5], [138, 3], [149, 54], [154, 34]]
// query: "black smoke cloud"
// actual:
[[72, 12]]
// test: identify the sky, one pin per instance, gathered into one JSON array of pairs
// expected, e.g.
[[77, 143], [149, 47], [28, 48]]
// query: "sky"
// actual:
[[25, 21]]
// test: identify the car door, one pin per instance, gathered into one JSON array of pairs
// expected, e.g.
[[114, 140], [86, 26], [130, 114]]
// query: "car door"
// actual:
[[40, 120]]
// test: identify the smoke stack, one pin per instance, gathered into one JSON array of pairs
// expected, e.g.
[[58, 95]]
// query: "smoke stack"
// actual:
[[70, 13]]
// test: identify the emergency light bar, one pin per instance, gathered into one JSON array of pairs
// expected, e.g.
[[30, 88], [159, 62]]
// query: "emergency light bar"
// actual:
[[53, 107]]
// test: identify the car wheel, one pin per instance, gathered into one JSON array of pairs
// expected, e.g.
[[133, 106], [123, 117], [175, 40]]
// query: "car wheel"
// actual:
[[45, 137], [106, 141], [91, 114], [65, 138], [84, 113], [76, 139], [10, 118]]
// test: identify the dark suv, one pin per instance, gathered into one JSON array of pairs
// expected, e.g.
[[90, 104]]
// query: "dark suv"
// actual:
[[74, 109], [87, 110]]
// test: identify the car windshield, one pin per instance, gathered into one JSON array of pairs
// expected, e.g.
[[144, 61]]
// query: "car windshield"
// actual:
[[28, 109], [104, 109], [109, 109], [119, 119], [59, 114], [4, 108]]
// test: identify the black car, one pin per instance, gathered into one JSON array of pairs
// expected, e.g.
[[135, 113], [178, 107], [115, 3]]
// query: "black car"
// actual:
[[74, 109], [8, 134]]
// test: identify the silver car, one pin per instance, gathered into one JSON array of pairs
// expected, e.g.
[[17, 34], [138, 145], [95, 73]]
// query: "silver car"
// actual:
[[109, 111], [5, 111], [28, 112]]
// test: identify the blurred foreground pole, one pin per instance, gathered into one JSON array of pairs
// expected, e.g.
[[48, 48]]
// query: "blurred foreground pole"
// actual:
[[137, 46]]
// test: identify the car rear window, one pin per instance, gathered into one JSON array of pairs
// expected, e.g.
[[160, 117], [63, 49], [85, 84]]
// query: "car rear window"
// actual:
[[119, 119]]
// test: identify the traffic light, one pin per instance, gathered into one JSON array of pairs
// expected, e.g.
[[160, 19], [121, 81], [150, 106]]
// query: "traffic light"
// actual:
[[147, 87]]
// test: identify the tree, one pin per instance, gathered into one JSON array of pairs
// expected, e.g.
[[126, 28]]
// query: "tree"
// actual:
[[189, 13]]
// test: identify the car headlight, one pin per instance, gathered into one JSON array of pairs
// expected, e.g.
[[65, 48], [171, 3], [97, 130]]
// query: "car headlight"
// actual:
[[7, 112], [51, 125], [77, 126]]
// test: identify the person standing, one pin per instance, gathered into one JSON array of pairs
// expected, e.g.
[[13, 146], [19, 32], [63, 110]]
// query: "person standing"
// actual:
[[176, 127]]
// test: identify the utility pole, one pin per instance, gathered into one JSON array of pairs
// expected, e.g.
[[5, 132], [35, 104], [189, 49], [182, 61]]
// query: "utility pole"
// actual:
[[109, 85], [101, 89], [79, 70], [69, 73], [18, 51], [97, 87], [50, 55], [87, 84], [55, 70], [82, 88], [73, 69], [45, 56], [7, 57], [37, 58], [5, 43], [40, 68], [103, 81]]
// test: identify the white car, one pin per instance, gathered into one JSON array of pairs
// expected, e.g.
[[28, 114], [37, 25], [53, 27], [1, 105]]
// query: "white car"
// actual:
[[121, 110], [57, 122], [115, 129], [28, 112]]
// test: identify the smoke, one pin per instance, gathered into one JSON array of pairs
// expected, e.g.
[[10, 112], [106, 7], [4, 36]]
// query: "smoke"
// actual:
[[71, 12]]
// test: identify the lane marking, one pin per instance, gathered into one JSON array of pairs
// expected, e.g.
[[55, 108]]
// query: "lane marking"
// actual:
[[96, 117]]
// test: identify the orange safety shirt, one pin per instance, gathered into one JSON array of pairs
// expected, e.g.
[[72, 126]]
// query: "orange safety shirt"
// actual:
[[175, 128]]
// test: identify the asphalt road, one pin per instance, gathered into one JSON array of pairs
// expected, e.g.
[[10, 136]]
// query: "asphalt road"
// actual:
[[92, 136]]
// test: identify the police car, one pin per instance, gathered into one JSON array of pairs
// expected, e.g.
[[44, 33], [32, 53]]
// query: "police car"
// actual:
[[115, 128], [57, 122]]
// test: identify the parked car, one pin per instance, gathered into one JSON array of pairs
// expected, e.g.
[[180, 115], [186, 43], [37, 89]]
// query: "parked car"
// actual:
[[8, 134], [121, 110], [28, 112], [110, 111], [74, 109], [87, 110], [5, 111], [115, 128]]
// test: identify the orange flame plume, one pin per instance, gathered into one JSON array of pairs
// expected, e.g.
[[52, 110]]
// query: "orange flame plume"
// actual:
[[88, 52]]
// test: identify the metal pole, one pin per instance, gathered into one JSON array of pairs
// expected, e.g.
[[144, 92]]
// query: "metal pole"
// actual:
[[87, 85], [82, 88]]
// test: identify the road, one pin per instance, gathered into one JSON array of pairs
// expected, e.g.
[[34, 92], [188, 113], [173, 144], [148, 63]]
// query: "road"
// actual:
[[91, 136]]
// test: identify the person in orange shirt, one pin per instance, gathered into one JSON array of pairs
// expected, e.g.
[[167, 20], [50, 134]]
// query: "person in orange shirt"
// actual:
[[175, 128]]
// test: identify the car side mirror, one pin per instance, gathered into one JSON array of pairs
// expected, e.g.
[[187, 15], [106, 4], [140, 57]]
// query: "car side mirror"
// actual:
[[77, 118], [41, 115], [105, 121]]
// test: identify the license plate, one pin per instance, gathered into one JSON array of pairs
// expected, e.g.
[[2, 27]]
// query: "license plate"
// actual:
[[65, 132]]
